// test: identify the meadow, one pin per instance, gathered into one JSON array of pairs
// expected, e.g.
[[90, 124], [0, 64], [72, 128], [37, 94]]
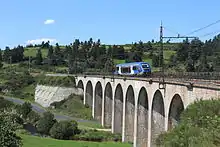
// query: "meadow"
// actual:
[[34, 141]]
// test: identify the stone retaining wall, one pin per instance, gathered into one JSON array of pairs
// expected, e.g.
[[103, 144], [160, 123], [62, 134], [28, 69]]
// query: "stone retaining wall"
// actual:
[[45, 95]]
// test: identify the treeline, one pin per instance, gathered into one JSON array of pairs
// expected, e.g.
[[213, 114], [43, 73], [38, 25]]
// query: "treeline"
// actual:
[[79, 56], [198, 56], [198, 127]]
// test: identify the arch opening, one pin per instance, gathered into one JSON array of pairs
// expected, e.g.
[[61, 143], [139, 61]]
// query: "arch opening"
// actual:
[[98, 102], [80, 87], [157, 116], [142, 118], [108, 106], [129, 114], [89, 93], [175, 110], [118, 109]]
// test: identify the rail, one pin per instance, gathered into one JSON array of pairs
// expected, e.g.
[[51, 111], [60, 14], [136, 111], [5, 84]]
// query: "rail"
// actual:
[[176, 75], [197, 79]]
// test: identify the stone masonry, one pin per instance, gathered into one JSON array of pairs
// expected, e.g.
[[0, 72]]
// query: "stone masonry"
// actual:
[[45, 95]]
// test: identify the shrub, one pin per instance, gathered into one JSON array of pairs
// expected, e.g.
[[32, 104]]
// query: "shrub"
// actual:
[[96, 136], [33, 117], [199, 126], [63, 130], [45, 123], [23, 131], [58, 104], [16, 81], [8, 135], [4, 104], [25, 109], [73, 101]]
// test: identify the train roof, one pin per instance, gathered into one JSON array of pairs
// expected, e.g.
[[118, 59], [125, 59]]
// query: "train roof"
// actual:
[[132, 63]]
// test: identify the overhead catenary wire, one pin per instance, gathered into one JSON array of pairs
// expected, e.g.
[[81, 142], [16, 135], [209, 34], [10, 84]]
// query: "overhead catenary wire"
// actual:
[[209, 25], [200, 29], [171, 30], [211, 33]]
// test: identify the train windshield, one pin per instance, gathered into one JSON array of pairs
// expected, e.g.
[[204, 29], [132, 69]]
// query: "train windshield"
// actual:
[[145, 66]]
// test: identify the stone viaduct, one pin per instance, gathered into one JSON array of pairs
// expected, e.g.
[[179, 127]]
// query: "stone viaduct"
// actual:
[[138, 108]]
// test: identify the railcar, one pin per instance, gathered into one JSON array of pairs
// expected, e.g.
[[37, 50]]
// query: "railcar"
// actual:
[[133, 69]]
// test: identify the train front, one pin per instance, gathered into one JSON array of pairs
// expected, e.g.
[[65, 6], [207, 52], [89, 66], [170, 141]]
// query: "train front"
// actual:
[[146, 68]]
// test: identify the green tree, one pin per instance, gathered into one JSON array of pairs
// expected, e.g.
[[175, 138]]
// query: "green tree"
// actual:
[[45, 123], [25, 109], [182, 51], [199, 127], [190, 63], [7, 55], [8, 137], [39, 57], [57, 51], [62, 130], [203, 65], [155, 60], [1, 56], [50, 52], [33, 117], [148, 46], [5, 104]]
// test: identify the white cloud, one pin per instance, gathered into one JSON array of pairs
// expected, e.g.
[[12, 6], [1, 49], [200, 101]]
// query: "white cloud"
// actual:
[[39, 41], [49, 21]]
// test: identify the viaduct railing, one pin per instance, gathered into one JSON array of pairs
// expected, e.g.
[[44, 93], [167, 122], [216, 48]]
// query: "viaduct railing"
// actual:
[[203, 78], [175, 75]]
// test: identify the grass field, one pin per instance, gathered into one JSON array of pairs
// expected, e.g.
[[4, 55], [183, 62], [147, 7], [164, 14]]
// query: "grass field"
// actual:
[[74, 107], [32, 52], [33, 141]]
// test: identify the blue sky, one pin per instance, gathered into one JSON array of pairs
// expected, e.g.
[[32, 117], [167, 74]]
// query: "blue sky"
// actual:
[[113, 21]]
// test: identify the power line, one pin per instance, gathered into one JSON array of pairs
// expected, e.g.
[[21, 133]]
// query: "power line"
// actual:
[[211, 33], [197, 30], [171, 30], [204, 27]]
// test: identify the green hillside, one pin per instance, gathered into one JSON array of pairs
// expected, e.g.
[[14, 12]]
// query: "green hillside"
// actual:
[[32, 52], [167, 53]]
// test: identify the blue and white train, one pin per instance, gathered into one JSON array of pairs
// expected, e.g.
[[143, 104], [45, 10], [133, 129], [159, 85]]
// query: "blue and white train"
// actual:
[[133, 69]]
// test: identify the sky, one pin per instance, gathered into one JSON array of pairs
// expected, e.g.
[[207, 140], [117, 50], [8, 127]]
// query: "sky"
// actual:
[[111, 21]]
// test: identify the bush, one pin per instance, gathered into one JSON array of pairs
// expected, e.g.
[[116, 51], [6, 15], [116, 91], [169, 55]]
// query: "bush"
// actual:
[[199, 127], [58, 104], [16, 81], [63, 130], [45, 123], [8, 135], [23, 131], [25, 109], [4, 104], [33, 117], [73, 101], [96, 136]]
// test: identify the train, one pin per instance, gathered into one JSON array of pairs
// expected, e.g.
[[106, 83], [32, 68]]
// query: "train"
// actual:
[[133, 69]]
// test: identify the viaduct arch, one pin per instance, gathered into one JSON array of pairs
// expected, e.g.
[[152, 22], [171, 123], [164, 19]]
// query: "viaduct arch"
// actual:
[[139, 109]]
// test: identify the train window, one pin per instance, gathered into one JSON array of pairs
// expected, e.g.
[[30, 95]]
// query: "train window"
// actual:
[[117, 68], [125, 69], [145, 66], [134, 67]]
